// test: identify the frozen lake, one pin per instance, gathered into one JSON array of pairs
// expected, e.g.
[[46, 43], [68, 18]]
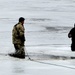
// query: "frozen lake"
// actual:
[[47, 22], [47, 25]]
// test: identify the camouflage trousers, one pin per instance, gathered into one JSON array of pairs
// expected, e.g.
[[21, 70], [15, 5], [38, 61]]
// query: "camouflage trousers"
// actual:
[[19, 50]]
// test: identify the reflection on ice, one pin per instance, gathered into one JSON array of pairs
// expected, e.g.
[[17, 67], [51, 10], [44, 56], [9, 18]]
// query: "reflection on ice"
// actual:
[[17, 68]]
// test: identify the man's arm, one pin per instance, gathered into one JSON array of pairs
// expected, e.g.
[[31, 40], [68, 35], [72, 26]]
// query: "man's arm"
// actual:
[[70, 33]]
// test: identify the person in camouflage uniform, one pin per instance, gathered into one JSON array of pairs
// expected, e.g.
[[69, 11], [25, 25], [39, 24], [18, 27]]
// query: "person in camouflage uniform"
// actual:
[[18, 39]]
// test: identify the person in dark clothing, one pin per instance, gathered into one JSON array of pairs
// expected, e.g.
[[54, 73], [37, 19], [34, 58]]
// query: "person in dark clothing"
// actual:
[[72, 36]]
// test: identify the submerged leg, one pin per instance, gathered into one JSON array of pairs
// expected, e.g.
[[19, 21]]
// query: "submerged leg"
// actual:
[[19, 53]]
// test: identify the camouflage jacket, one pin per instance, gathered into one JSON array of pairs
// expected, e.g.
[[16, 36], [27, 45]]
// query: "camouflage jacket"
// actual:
[[18, 36]]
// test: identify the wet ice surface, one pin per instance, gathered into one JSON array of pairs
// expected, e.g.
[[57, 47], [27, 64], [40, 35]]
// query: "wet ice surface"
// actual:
[[14, 66], [47, 25]]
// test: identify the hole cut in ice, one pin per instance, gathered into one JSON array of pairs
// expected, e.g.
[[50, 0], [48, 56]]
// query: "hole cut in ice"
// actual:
[[40, 56]]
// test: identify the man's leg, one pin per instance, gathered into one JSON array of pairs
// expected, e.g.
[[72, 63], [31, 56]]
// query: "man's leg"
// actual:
[[19, 51], [73, 47], [17, 47]]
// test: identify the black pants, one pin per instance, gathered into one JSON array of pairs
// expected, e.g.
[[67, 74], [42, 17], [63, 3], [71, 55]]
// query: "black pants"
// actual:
[[73, 46]]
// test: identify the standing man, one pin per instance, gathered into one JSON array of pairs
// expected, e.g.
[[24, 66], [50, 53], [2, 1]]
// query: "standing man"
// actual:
[[72, 36], [18, 39]]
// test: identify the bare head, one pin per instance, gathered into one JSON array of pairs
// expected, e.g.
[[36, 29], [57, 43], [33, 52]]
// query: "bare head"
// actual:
[[21, 19]]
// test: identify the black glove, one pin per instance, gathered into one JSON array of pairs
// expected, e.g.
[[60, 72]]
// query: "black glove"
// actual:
[[23, 38]]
